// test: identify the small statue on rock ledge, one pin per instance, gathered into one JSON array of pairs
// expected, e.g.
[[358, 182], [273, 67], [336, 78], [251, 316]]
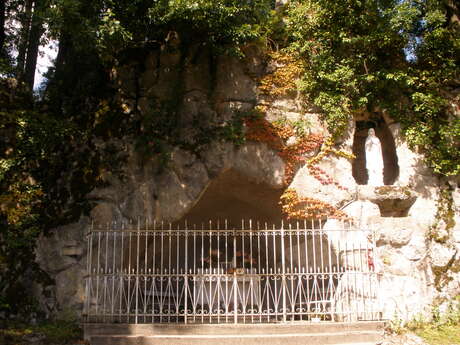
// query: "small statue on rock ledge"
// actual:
[[374, 159]]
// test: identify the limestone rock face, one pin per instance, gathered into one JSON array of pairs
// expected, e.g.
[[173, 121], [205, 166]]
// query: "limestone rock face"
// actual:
[[412, 168], [456, 237], [233, 84], [149, 189], [152, 191], [260, 164], [396, 232], [363, 212], [180, 186], [456, 200], [63, 256], [309, 186], [424, 208], [213, 93], [401, 295], [416, 249], [441, 255]]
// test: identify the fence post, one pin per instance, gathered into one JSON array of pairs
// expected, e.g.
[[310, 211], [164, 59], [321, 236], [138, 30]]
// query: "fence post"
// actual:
[[283, 267], [186, 274], [98, 273], [89, 238], [235, 281], [137, 269]]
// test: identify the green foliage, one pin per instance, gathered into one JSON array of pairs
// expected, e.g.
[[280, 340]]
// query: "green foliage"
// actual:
[[401, 57], [221, 24], [444, 219], [443, 329], [448, 334], [439, 329], [158, 133], [301, 126], [30, 147], [348, 47], [57, 332], [47, 166], [232, 131]]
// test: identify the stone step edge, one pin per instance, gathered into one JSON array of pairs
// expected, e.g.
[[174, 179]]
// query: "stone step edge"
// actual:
[[219, 336], [229, 329]]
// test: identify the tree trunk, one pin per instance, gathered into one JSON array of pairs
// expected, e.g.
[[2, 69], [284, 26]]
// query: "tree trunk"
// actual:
[[2, 25], [24, 37], [453, 12], [62, 52], [36, 31]]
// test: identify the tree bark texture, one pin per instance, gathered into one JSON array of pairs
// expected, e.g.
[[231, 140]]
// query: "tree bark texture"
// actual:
[[2, 25], [36, 32], [24, 36], [453, 12]]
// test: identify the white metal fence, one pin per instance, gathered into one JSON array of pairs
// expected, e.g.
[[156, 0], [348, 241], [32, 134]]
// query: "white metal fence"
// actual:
[[256, 274]]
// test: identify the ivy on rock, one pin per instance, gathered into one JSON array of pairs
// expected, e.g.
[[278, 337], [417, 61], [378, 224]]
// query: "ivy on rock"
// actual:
[[397, 57]]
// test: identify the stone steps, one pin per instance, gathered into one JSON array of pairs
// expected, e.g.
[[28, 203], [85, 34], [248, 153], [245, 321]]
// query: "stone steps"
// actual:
[[324, 333]]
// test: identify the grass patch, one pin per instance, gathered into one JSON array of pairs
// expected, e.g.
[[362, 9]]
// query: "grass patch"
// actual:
[[440, 335], [444, 329], [52, 333]]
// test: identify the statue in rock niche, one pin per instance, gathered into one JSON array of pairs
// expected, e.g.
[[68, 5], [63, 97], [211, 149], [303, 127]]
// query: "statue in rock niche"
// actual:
[[374, 159]]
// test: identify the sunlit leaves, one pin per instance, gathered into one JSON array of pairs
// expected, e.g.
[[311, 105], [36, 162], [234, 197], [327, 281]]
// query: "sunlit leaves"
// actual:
[[344, 46], [307, 149], [111, 36], [399, 56], [295, 206], [219, 22]]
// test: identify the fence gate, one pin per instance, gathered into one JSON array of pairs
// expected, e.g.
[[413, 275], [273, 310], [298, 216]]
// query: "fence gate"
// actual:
[[254, 274]]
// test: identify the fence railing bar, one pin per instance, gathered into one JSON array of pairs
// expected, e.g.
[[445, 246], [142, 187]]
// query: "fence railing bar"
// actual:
[[150, 272], [283, 267], [239, 231]]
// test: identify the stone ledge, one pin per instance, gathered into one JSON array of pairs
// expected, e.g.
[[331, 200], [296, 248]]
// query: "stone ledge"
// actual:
[[97, 329], [393, 201], [366, 332], [358, 338]]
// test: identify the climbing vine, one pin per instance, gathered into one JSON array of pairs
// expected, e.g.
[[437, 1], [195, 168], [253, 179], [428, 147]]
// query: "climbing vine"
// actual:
[[444, 219], [287, 68], [321, 175], [293, 140], [297, 207], [277, 135], [295, 148], [440, 232]]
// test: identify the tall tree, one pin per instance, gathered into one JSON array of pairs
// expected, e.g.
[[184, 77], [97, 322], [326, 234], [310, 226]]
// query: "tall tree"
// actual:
[[23, 39], [36, 32], [2, 25]]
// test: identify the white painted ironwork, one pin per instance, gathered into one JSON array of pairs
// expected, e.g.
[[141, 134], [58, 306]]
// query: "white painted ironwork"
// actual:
[[152, 273]]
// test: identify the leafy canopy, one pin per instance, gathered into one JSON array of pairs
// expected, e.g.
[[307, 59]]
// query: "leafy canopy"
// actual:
[[219, 23], [397, 56]]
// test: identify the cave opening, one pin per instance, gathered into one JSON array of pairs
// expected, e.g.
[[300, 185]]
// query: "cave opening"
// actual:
[[390, 158], [254, 211], [236, 199]]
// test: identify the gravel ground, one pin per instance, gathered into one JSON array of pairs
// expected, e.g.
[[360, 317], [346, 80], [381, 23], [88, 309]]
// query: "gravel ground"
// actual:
[[403, 339]]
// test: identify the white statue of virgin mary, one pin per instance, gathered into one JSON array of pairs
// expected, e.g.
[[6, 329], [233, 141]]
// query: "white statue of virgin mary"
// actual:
[[374, 159]]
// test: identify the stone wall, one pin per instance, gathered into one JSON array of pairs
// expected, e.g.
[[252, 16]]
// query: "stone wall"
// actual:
[[415, 269]]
